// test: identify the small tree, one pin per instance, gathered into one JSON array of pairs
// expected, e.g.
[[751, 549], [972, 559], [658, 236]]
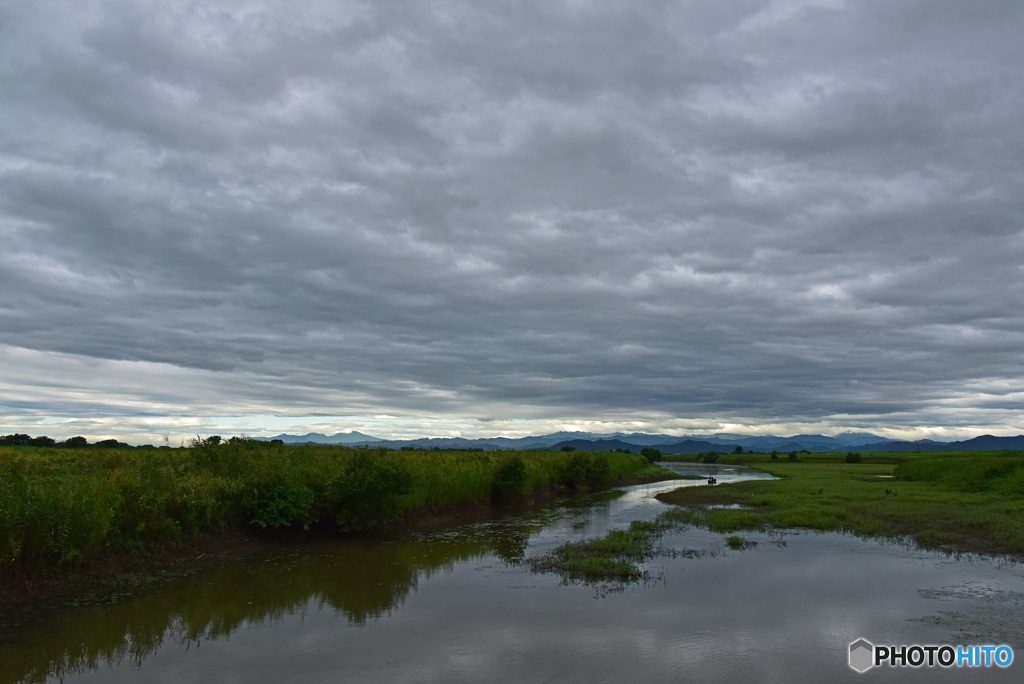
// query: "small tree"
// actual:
[[852, 457], [792, 456], [738, 450], [651, 454]]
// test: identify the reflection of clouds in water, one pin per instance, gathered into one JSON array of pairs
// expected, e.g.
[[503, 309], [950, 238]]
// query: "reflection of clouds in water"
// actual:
[[343, 611], [359, 580], [979, 613]]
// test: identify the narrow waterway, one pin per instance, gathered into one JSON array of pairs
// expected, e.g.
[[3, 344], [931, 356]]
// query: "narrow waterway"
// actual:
[[459, 605]]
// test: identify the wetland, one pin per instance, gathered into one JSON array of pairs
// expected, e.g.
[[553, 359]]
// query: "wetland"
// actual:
[[462, 602]]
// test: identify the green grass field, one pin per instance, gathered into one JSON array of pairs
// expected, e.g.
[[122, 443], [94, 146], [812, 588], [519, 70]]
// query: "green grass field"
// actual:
[[951, 501]]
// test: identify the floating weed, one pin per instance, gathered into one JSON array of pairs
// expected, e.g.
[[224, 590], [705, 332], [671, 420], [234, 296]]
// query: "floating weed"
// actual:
[[686, 553], [738, 543], [617, 558]]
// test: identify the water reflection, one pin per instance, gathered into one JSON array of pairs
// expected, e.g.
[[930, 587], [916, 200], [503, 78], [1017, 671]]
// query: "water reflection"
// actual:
[[457, 605], [360, 579]]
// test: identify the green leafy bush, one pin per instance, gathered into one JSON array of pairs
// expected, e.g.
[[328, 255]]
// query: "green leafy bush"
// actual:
[[509, 478], [369, 491], [583, 469], [281, 504]]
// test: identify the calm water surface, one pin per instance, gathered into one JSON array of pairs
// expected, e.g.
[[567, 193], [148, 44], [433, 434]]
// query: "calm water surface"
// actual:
[[458, 605]]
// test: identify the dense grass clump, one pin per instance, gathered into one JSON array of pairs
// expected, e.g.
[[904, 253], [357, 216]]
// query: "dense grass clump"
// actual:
[[614, 558], [61, 507]]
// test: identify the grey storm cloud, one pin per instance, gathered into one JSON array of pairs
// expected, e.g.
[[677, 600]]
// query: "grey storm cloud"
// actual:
[[757, 213]]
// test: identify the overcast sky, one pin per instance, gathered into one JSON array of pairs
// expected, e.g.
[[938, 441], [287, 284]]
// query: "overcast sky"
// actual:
[[482, 218]]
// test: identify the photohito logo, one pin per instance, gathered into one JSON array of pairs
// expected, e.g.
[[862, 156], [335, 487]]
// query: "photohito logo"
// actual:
[[864, 655]]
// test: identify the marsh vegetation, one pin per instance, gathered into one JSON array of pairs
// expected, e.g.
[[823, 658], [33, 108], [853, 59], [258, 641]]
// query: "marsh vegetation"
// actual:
[[62, 510], [959, 502], [333, 607]]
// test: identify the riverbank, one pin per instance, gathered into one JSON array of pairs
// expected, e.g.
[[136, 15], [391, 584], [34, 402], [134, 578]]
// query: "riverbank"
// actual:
[[958, 502], [114, 517]]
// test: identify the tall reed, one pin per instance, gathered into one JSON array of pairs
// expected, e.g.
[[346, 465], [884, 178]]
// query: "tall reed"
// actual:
[[60, 507]]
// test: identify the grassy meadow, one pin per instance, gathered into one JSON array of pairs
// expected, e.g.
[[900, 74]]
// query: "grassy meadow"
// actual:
[[63, 508], [953, 501]]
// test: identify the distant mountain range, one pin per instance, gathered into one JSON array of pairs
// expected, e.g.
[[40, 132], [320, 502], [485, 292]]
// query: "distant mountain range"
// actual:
[[357, 438], [667, 444]]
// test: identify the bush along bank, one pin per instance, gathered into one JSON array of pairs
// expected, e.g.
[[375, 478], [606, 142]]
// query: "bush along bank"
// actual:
[[61, 510]]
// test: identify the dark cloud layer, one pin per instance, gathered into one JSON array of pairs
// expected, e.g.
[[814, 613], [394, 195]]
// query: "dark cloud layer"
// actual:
[[645, 213]]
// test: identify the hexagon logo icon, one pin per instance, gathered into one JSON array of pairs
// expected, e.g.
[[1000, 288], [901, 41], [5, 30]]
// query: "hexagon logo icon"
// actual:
[[862, 655]]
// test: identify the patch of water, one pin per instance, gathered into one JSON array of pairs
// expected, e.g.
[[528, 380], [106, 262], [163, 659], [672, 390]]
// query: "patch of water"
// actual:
[[459, 605]]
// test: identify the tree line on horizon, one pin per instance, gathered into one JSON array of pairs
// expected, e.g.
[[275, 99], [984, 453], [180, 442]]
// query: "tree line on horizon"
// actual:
[[19, 439]]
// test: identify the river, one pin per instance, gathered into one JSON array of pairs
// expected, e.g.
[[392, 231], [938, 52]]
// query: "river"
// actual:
[[458, 604]]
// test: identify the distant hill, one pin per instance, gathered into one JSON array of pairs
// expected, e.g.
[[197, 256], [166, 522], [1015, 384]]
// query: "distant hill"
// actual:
[[694, 446], [597, 445], [982, 443], [667, 444], [319, 438]]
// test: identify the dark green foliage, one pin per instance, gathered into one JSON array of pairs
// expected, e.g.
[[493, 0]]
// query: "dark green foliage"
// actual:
[[853, 457], [653, 455], [793, 456], [61, 506], [509, 479], [585, 469], [21, 439], [281, 504], [710, 457], [369, 490]]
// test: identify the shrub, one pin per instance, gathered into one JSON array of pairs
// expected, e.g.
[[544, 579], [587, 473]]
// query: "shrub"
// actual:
[[509, 478], [653, 455], [585, 469], [281, 504], [369, 490]]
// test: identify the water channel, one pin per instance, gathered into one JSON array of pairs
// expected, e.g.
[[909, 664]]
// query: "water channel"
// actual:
[[459, 605]]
